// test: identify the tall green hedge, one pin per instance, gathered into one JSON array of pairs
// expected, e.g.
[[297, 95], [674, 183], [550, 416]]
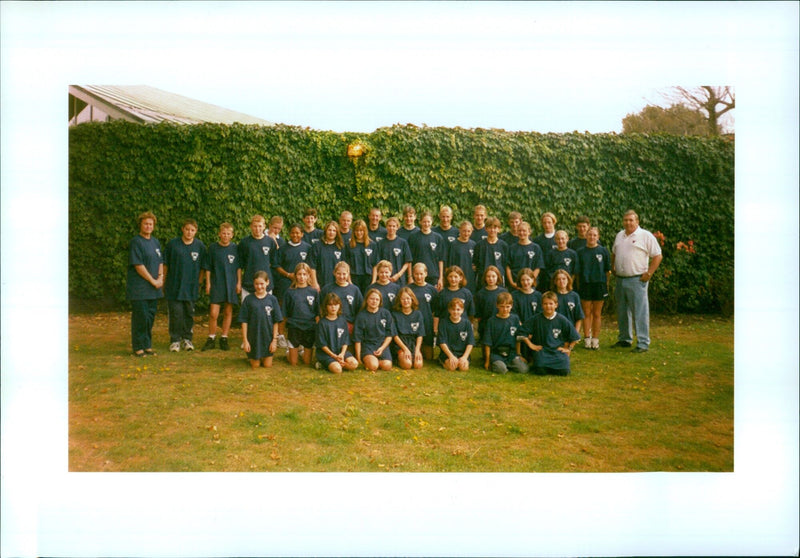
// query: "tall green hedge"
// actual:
[[680, 186]]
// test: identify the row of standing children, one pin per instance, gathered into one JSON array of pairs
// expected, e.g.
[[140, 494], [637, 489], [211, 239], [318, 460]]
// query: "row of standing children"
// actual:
[[226, 278]]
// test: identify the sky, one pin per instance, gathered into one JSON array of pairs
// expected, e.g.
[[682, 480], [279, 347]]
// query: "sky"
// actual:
[[546, 67]]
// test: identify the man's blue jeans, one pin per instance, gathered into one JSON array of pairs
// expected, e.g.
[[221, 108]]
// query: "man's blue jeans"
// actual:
[[633, 310]]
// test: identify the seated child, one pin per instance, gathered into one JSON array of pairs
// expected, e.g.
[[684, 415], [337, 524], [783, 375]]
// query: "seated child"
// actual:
[[456, 338], [260, 315], [551, 337], [408, 322], [373, 331], [333, 337], [500, 339]]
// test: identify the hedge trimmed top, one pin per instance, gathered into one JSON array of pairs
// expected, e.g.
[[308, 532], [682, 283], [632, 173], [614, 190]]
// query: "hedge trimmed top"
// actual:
[[681, 186]]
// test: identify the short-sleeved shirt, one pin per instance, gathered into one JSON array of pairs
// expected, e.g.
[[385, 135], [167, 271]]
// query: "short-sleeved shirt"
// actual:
[[487, 254], [565, 259], [333, 334], [378, 234], [632, 253], [301, 306], [509, 238], [289, 255], [396, 252], [502, 332], [323, 260], [146, 252], [183, 262], [222, 262], [425, 296], [478, 235], [312, 237], [362, 258], [444, 297], [260, 315], [256, 254], [521, 256], [547, 244], [593, 264], [526, 304], [569, 305], [411, 324], [550, 333], [350, 295], [460, 254], [405, 233], [456, 336], [448, 235], [372, 328], [388, 293], [428, 249]]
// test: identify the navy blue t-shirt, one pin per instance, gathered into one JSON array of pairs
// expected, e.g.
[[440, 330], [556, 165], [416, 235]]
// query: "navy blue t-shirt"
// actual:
[[222, 262], [593, 264], [427, 249], [565, 259], [323, 260], [396, 252], [256, 254], [444, 297], [455, 336], [260, 315], [372, 328], [388, 293], [378, 234], [426, 295], [301, 306], [460, 254], [526, 304], [146, 252], [502, 332], [405, 233], [521, 256], [183, 262], [349, 294], [362, 258], [550, 334], [333, 334], [569, 305], [487, 254]]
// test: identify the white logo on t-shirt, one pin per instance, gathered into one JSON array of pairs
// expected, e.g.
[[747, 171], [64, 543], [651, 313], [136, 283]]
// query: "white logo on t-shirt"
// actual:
[[531, 254], [556, 333], [396, 251], [497, 255], [231, 258], [303, 255], [268, 310], [350, 299], [368, 251], [414, 326], [471, 253], [463, 335], [158, 251], [194, 256], [265, 249], [383, 322], [338, 255], [567, 261], [428, 297], [571, 305], [310, 300], [339, 332], [599, 257], [391, 297], [513, 330], [433, 245]]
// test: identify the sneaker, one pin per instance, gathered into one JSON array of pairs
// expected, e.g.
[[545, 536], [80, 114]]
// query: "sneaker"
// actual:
[[187, 345], [595, 343], [175, 347], [621, 344], [282, 344], [587, 343], [639, 350], [210, 344], [318, 365], [223, 344]]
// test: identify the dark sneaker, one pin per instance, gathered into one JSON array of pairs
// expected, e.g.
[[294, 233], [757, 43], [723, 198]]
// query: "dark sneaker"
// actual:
[[639, 350], [223, 343], [621, 344], [210, 344]]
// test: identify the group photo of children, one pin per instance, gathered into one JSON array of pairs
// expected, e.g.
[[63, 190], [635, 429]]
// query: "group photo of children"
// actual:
[[374, 294]]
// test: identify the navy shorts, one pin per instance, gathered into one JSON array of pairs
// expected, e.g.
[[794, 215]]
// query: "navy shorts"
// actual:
[[300, 337], [325, 360], [367, 350], [593, 291]]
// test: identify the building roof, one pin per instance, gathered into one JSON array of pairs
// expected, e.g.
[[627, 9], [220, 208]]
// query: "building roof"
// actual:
[[145, 104]]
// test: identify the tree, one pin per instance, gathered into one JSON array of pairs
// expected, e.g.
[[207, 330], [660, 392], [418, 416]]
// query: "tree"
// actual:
[[677, 119], [714, 101]]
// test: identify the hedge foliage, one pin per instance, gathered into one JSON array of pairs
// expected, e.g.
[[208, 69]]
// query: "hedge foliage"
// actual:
[[680, 186]]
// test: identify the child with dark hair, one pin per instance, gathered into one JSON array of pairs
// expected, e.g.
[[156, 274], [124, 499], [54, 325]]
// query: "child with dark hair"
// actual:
[[456, 338], [333, 338], [259, 315], [183, 258]]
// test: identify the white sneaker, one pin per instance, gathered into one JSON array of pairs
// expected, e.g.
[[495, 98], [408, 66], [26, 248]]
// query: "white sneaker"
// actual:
[[282, 344], [595, 343], [175, 347], [587, 343], [187, 345]]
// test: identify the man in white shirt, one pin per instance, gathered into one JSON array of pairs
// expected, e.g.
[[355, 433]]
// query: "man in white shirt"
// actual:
[[635, 257]]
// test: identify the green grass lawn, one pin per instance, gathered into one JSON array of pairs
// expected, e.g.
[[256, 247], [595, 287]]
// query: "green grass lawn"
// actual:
[[670, 409]]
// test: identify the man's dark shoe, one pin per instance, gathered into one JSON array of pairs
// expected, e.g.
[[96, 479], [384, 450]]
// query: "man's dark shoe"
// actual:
[[621, 345], [223, 343], [639, 350], [209, 344]]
